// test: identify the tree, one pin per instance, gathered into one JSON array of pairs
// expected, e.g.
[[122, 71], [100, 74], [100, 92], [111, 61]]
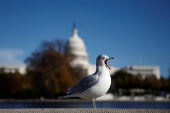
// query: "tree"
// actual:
[[133, 81], [164, 84], [151, 82], [168, 84], [129, 81], [14, 83], [3, 82], [119, 82], [140, 81], [49, 68]]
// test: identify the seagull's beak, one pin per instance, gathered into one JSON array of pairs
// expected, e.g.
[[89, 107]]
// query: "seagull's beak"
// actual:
[[112, 58], [106, 62]]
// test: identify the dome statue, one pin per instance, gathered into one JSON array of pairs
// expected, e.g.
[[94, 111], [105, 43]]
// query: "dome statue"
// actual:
[[75, 50]]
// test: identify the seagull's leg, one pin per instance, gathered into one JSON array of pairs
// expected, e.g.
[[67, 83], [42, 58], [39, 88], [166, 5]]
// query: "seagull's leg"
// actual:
[[94, 105], [94, 102]]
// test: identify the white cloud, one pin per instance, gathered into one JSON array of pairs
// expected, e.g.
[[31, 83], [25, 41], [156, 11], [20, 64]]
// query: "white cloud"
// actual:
[[9, 56]]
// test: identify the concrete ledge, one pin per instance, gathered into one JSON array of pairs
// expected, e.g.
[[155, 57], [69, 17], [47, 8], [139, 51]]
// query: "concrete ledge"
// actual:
[[84, 110]]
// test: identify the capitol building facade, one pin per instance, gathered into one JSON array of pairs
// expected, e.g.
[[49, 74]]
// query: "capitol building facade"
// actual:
[[76, 53]]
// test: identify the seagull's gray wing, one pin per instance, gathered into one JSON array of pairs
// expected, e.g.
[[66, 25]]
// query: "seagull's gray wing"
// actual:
[[83, 84]]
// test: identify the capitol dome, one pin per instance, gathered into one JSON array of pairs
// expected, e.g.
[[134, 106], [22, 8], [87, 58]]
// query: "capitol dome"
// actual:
[[75, 50]]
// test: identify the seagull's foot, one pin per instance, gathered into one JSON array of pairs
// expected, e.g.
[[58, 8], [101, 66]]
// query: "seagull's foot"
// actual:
[[94, 105]]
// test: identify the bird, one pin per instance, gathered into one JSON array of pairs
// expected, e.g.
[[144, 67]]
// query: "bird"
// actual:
[[92, 86]]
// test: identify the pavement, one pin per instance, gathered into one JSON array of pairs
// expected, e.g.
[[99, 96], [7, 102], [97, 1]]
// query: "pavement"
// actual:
[[84, 110]]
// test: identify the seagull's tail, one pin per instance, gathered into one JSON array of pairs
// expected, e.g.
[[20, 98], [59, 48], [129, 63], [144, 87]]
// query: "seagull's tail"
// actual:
[[66, 95]]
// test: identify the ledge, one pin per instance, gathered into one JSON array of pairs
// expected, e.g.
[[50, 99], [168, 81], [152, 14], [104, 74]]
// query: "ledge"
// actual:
[[84, 110]]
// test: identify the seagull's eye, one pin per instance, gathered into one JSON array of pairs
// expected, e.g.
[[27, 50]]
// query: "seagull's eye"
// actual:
[[103, 58]]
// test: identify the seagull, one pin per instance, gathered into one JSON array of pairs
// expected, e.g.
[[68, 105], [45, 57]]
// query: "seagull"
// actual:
[[92, 86]]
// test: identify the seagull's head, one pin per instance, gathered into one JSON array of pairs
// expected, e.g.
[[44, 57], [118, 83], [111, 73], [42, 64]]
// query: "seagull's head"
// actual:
[[102, 60]]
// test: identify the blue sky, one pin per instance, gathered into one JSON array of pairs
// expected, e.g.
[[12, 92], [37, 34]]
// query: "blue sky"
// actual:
[[124, 29]]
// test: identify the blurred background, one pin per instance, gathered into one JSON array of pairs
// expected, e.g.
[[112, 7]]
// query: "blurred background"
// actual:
[[48, 46]]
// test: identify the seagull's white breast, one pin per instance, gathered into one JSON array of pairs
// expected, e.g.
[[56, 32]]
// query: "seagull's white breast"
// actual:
[[100, 88]]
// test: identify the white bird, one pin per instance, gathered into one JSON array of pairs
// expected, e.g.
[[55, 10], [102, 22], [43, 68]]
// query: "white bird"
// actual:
[[95, 85]]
